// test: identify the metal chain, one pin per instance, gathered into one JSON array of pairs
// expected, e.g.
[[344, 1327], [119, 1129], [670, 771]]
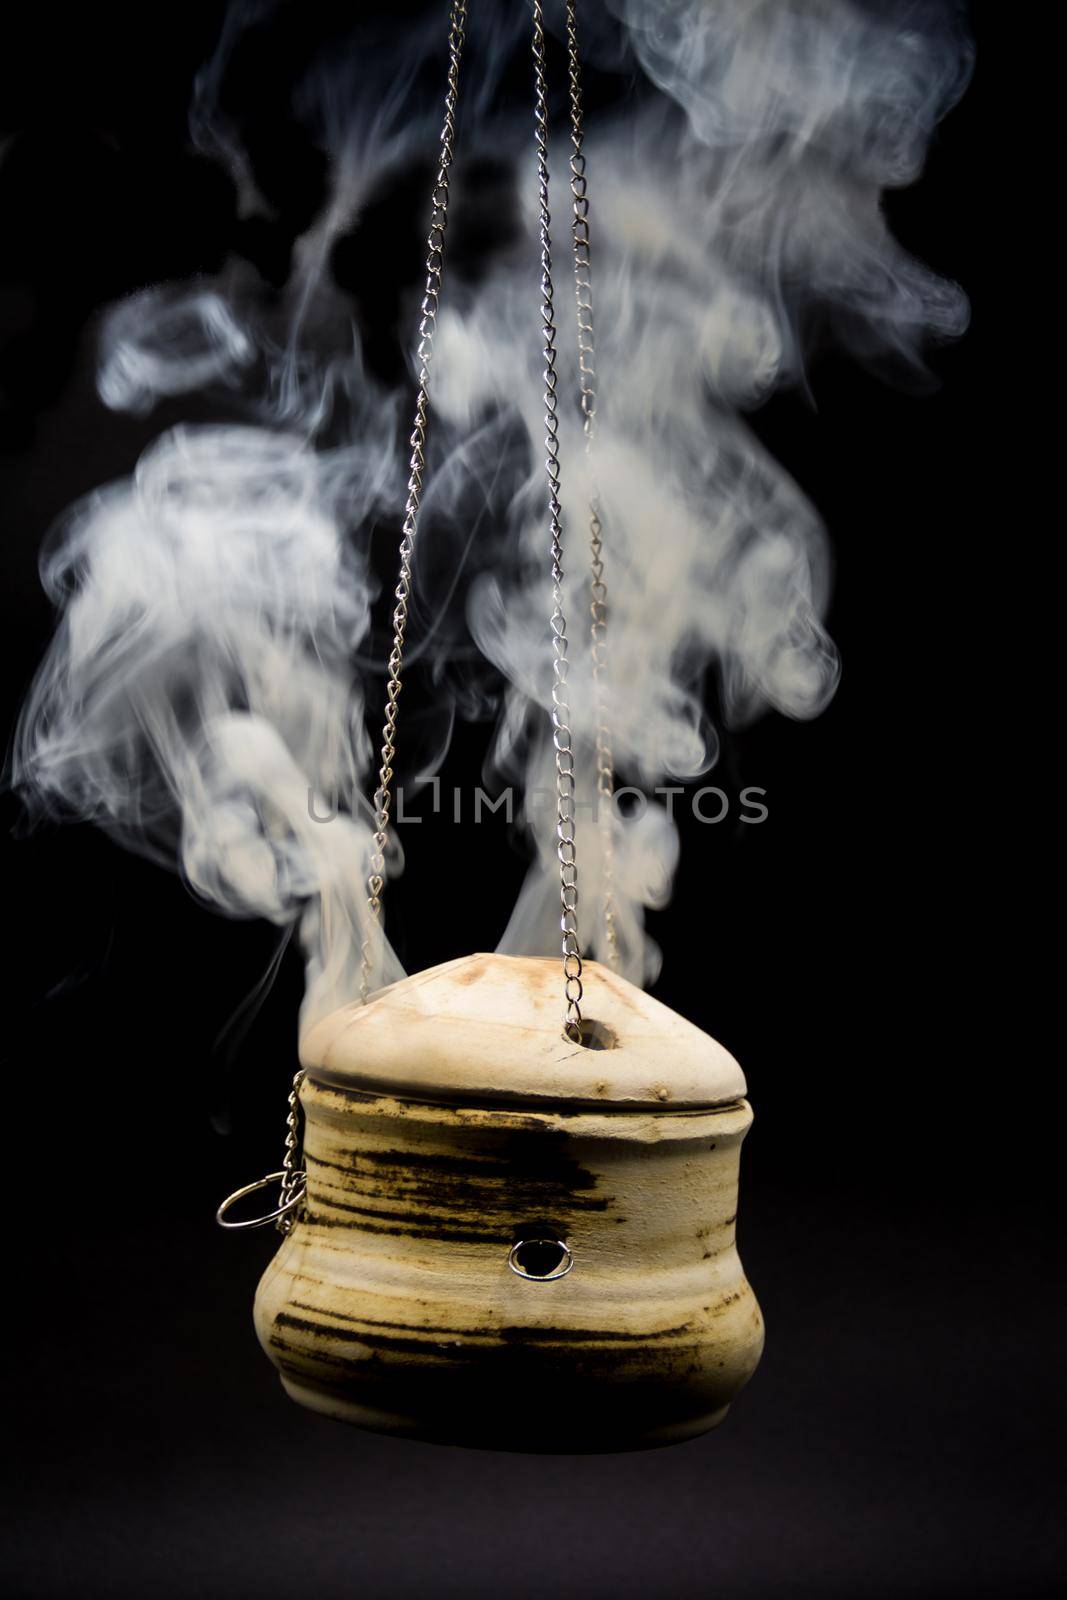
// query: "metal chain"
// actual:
[[383, 797], [587, 381], [293, 1178], [561, 714]]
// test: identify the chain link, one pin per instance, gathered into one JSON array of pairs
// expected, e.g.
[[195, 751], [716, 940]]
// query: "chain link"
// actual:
[[293, 1177], [587, 382], [561, 714], [383, 797]]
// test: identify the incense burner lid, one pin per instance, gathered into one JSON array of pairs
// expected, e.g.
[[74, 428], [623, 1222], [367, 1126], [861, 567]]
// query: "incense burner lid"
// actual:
[[488, 1028]]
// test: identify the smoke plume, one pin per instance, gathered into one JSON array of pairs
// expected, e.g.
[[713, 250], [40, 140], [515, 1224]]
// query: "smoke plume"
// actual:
[[212, 665]]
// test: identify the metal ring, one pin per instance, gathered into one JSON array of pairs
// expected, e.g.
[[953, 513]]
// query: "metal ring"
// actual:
[[540, 1277], [250, 1188]]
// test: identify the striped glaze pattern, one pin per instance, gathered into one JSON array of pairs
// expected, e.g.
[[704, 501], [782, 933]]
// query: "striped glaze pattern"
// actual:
[[391, 1304]]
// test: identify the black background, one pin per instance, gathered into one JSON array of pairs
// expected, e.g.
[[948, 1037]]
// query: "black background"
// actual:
[[903, 1435]]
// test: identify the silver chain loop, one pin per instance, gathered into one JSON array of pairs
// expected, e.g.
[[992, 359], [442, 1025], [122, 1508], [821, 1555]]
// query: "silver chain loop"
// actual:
[[587, 382], [291, 1180], [561, 714], [383, 796]]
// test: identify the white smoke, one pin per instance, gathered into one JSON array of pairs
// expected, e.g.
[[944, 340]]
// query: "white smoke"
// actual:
[[202, 683]]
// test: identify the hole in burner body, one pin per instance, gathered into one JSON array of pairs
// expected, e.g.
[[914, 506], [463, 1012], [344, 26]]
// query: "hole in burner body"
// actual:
[[595, 1035], [538, 1255]]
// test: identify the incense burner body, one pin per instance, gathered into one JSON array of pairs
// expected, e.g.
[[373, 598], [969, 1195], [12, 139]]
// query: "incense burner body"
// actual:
[[498, 1266]]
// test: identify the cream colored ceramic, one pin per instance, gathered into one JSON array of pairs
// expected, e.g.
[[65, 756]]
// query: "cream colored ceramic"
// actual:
[[447, 1122]]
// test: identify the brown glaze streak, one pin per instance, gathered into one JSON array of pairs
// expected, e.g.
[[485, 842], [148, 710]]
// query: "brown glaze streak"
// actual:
[[393, 1179], [547, 1334], [381, 1092], [454, 1197], [431, 1227], [463, 1344], [494, 1194]]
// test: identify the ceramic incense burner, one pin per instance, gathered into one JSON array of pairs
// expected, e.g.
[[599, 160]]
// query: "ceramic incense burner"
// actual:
[[511, 1240]]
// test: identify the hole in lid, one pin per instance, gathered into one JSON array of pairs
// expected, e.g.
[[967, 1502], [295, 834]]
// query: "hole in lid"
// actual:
[[539, 1258], [593, 1035]]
